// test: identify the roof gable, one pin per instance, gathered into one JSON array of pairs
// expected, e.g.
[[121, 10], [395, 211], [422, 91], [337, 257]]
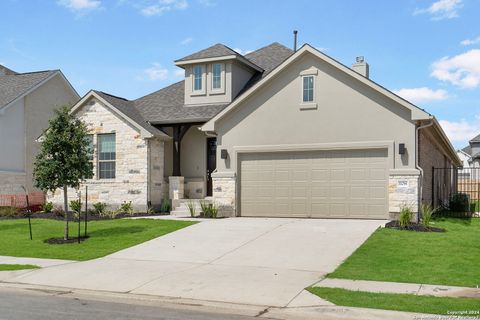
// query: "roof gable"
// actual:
[[417, 113], [125, 109], [217, 50]]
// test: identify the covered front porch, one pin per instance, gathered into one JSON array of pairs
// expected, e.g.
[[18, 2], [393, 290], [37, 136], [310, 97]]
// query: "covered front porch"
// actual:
[[189, 160]]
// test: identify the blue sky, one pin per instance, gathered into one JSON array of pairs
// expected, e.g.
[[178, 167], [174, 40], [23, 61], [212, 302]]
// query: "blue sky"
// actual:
[[426, 50]]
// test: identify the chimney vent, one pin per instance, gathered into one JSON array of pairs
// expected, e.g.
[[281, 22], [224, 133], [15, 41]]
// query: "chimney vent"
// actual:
[[361, 67], [295, 40]]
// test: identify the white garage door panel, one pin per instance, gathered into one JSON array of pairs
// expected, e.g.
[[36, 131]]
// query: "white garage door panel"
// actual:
[[335, 184]]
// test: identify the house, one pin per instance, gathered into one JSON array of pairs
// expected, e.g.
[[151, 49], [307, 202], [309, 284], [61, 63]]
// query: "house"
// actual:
[[27, 102], [273, 133], [470, 155]]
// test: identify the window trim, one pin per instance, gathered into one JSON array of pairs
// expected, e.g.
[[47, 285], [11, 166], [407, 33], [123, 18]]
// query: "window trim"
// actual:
[[221, 89], [307, 105], [103, 161], [201, 91]]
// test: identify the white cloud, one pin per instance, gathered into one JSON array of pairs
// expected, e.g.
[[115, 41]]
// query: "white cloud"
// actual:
[[186, 41], [461, 131], [180, 73], [469, 42], [156, 72], [159, 7], [462, 70], [422, 94], [80, 5], [242, 52], [207, 3], [442, 9]]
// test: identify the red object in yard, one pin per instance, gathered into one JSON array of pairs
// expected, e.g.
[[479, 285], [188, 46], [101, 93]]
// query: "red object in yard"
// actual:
[[19, 200]]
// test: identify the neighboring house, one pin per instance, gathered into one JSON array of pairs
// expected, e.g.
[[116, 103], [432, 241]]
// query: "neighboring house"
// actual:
[[27, 102], [470, 155], [272, 133]]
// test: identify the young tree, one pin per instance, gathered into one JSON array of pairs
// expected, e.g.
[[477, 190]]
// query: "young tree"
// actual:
[[63, 160]]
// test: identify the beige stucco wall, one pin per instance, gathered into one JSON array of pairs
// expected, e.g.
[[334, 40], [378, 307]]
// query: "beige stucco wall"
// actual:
[[138, 161], [12, 140], [11, 183], [345, 114], [39, 109], [346, 111]]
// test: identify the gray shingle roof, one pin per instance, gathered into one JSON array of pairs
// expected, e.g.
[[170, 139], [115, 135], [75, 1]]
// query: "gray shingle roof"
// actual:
[[217, 50], [269, 57], [127, 107], [167, 106], [467, 150], [476, 139], [14, 85]]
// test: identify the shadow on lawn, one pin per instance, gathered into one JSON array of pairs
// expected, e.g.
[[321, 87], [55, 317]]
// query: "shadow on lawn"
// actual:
[[456, 220], [108, 232]]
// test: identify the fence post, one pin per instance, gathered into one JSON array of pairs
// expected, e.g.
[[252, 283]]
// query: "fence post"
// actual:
[[433, 187]]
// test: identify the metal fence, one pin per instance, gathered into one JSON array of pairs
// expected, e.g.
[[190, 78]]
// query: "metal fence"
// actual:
[[450, 182]]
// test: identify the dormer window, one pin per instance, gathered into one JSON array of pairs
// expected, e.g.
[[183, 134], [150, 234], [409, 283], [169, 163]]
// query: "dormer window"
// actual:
[[197, 78], [216, 76]]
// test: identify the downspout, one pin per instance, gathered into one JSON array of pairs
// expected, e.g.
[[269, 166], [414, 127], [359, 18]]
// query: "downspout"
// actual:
[[417, 165]]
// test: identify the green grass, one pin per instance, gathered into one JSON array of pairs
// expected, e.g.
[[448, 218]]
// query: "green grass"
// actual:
[[14, 267], [450, 258], [106, 237], [397, 302]]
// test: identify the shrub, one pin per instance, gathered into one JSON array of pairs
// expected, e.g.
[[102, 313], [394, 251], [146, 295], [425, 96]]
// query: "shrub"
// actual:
[[99, 207], [405, 217], [165, 205], [47, 207], [109, 214], [191, 208], [151, 210], [9, 212], [204, 207], [210, 210], [76, 205], [126, 207], [427, 213], [213, 210], [459, 203]]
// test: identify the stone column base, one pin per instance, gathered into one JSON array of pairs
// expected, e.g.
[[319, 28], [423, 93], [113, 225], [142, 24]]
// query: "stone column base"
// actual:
[[224, 193], [403, 191], [176, 186]]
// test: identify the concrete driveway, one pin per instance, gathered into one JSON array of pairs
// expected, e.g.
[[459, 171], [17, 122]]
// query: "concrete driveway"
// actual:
[[239, 260]]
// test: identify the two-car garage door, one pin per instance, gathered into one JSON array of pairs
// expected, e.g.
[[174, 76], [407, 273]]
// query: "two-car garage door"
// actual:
[[317, 184]]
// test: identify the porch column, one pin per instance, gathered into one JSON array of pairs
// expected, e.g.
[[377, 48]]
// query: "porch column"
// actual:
[[178, 134]]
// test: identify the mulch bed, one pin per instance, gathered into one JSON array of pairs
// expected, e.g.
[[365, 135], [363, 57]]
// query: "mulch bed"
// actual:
[[63, 241], [91, 217], [413, 227]]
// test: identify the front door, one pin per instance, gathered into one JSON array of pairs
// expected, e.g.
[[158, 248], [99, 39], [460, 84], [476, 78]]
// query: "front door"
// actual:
[[211, 163]]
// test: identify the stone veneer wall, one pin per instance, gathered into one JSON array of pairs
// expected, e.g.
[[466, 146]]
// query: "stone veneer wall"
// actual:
[[224, 193], [403, 191], [11, 183], [156, 149], [132, 163]]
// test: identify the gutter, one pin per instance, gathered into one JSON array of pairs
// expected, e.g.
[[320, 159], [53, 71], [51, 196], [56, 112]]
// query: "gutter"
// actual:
[[417, 165]]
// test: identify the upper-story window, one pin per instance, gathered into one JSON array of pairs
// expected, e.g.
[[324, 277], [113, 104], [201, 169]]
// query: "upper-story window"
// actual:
[[197, 78], [106, 156], [216, 76], [308, 89]]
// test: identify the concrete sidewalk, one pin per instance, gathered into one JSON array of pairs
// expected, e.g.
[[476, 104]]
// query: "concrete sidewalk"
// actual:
[[253, 261], [44, 263], [402, 288]]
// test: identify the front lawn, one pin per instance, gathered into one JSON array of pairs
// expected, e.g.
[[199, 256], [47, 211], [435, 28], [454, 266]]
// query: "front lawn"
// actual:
[[449, 258], [14, 267], [398, 302], [106, 237]]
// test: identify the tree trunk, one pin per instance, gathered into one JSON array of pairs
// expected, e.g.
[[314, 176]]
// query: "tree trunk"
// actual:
[[65, 203]]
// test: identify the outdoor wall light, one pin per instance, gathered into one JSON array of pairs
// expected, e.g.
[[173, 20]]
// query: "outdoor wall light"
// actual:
[[224, 154], [401, 148]]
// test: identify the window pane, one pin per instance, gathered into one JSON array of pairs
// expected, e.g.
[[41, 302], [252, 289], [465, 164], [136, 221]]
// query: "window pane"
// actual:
[[197, 78], [106, 146], [106, 170], [216, 76], [90, 146], [308, 89]]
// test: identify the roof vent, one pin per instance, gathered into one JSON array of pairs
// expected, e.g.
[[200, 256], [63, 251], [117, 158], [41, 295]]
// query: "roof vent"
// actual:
[[360, 59]]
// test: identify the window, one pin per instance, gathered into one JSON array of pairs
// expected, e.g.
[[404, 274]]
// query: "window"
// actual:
[[308, 89], [197, 78], [106, 156], [216, 76]]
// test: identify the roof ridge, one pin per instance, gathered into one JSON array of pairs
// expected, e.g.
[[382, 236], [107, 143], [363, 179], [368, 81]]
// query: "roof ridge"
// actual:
[[111, 95], [266, 46], [33, 72]]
